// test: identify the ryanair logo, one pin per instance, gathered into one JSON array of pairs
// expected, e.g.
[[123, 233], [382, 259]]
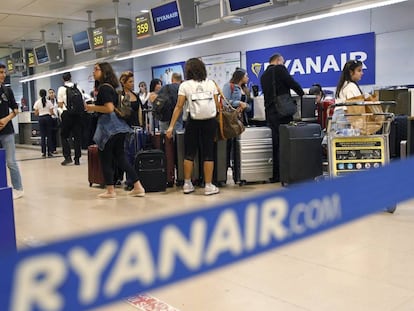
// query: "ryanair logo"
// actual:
[[256, 68]]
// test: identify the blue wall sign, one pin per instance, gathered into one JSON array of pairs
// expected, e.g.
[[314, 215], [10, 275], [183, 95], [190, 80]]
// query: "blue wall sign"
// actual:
[[166, 17], [237, 5], [318, 61]]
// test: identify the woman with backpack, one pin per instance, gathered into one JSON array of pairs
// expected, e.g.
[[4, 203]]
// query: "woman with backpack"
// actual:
[[110, 132], [201, 126], [44, 109]]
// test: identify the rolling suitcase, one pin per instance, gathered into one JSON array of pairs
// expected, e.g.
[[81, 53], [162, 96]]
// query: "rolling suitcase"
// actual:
[[300, 155], [253, 155], [95, 174], [151, 168], [398, 133], [220, 163], [179, 139], [160, 141]]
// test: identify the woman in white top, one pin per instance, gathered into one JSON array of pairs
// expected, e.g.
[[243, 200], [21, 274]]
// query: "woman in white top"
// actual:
[[44, 109], [348, 83], [143, 93], [201, 125]]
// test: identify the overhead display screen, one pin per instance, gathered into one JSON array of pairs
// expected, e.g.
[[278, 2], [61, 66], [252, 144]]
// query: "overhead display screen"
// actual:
[[10, 65], [166, 17], [98, 38], [31, 61], [245, 5], [81, 42], [144, 26], [42, 55]]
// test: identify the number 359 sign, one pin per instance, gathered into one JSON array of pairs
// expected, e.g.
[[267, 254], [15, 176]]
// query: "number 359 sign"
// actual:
[[144, 27]]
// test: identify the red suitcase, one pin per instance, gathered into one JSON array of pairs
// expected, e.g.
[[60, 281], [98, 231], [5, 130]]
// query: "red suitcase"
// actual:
[[95, 174], [324, 112], [160, 141]]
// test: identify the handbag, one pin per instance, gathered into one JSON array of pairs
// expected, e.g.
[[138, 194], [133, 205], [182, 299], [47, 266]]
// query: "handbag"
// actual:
[[228, 118], [285, 105]]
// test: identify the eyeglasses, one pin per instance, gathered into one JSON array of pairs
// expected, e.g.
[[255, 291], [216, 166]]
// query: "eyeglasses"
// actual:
[[96, 69]]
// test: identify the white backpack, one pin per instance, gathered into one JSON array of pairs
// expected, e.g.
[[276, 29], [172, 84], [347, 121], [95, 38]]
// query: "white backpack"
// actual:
[[202, 105]]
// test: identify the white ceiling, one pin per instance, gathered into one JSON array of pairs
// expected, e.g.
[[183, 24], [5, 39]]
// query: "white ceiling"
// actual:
[[21, 21]]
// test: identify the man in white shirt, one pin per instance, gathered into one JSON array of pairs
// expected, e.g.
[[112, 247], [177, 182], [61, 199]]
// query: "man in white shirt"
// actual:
[[71, 123]]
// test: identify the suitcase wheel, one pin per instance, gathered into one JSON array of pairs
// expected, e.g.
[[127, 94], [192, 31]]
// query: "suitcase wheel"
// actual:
[[392, 209], [90, 184], [170, 184]]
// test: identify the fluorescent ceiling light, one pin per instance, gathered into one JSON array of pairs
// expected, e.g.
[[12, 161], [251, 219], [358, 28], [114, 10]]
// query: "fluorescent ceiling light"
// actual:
[[50, 73], [340, 10], [144, 11]]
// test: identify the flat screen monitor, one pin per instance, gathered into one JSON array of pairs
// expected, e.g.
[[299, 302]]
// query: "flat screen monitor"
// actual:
[[81, 42], [308, 108], [166, 17], [237, 6], [41, 54]]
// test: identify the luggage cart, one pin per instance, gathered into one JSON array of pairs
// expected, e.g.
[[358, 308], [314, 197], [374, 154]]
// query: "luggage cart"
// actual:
[[358, 141]]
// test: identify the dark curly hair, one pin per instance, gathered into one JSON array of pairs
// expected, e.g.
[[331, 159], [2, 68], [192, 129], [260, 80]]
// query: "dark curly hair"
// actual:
[[195, 70]]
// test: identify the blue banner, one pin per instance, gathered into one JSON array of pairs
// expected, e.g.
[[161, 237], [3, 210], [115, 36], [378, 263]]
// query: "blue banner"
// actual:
[[318, 61], [86, 272]]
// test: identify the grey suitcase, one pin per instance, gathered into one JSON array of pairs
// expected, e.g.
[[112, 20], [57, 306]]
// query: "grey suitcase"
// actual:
[[253, 155]]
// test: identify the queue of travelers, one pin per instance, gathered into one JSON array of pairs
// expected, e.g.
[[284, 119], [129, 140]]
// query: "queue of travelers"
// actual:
[[110, 132]]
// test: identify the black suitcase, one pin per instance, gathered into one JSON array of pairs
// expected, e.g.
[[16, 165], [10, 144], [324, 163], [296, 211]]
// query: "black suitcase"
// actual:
[[151, 167], [398, 133], [179, 181], [300, 157]]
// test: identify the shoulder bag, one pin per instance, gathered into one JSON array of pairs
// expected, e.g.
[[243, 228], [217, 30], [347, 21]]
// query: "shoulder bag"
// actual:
[[285, 105], [228, 119]]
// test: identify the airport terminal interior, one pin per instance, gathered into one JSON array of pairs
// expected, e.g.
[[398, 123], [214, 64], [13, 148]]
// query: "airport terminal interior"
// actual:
[[365, 265]]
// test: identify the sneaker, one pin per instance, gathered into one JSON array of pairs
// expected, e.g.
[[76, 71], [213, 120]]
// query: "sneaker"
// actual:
[[209, 190], [107, 195], [137, 193], [17, 194], [188, 188], [77, 162], [66, 162], [43, 155], [50, 155]]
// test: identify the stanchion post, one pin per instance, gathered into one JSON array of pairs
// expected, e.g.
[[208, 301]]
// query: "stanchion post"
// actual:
[[7, 228]]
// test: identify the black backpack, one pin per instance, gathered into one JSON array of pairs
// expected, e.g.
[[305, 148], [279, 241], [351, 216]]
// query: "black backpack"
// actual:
[[74, 99], [163, 106]]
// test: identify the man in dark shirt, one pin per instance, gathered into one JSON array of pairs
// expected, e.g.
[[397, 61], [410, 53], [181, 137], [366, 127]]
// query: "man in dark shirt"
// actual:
[[8, 110], [276, 75]]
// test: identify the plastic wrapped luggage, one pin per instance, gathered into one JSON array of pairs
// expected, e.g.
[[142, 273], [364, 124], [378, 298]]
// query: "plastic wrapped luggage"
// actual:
[[161, 142], [95, 174], [300, 157], [151, 168], [253, 156]]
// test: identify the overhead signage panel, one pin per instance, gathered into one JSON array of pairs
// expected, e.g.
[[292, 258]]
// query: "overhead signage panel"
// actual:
[[143, 26], [98, 38], [166, 17], [237, 6]]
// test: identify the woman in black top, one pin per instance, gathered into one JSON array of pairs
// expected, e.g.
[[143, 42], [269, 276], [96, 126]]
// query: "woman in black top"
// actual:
[[110, 132], [127, 83]]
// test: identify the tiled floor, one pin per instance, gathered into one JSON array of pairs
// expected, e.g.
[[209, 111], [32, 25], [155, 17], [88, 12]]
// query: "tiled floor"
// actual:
[[367, 265]]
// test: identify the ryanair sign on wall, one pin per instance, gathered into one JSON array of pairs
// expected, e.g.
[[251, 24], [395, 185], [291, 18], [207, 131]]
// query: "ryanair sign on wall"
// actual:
[[318, 61]]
